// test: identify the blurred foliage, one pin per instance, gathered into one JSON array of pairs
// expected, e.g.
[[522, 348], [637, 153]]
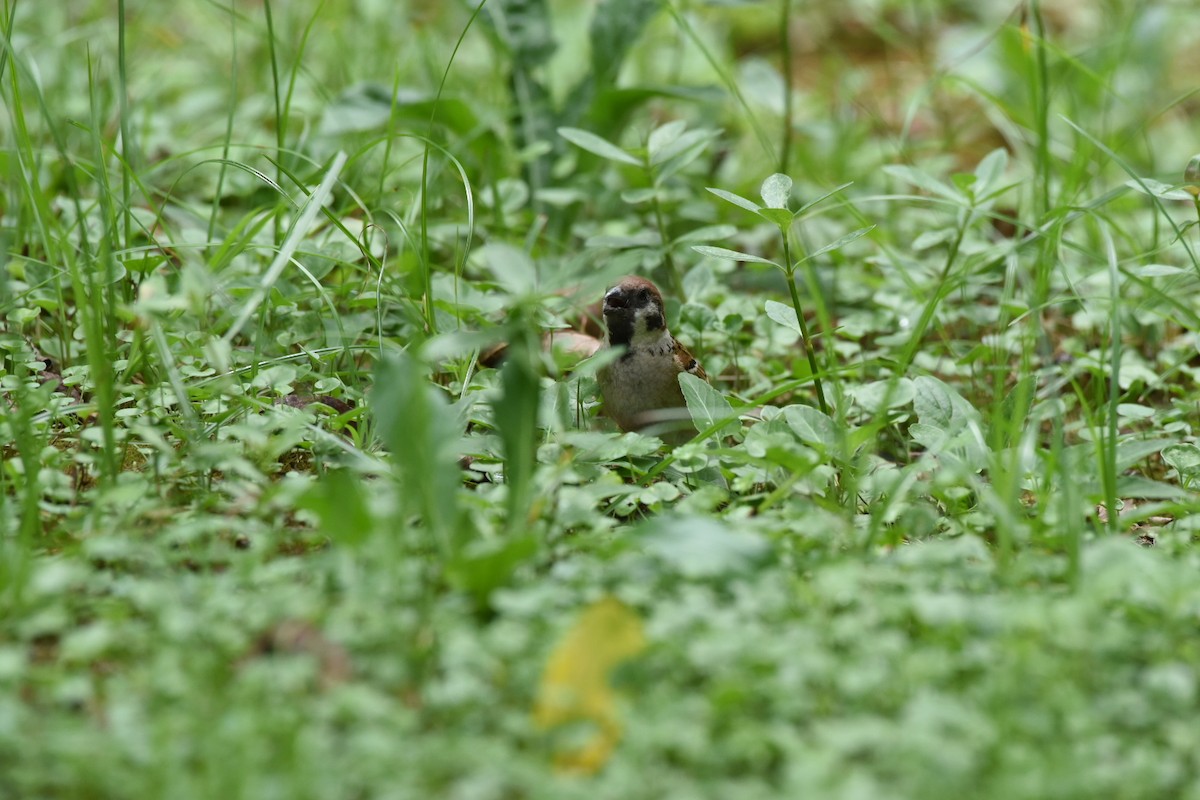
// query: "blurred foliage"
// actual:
[[271, 524]]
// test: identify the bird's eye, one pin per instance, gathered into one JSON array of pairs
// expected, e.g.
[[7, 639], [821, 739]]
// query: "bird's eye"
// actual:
[[644, 295]]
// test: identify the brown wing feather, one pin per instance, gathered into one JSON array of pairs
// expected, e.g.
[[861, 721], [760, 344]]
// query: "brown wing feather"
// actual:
[[687, 363]]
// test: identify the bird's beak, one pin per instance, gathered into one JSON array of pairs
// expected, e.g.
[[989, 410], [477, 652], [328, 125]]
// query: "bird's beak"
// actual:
[[616, 301]]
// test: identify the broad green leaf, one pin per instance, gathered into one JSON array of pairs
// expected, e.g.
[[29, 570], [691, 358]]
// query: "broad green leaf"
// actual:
[[707, 406], [369, 106], [484, 565], [658, 493], [730, 255], [776, 190], [963, 447], [872, 395], [939, 405], [701, 547], [509, 266], [1185, 458], [423, 435], [1135, 411], [277, 377], [1147, 489], [515, 410], [785, 315], [811, 426], [736, 199], [603, 447], [339, 499], [699, 280], [509, 194], [1132, 450], [597, 146]]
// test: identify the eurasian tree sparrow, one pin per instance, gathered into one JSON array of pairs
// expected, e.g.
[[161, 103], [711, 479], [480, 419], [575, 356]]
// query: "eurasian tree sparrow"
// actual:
[[641, 387]]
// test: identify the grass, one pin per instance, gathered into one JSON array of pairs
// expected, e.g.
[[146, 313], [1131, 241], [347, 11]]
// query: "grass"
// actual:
[[269, 527]]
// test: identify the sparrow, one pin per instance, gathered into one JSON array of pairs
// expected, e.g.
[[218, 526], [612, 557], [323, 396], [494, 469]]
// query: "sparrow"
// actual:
[[640, 387]]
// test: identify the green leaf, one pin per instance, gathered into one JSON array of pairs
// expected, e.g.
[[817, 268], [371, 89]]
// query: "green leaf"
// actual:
[[932, 238], [779, 217], [872, 395], [608, 112], [923, 180], [509, 266], [1134, 449], [516, 413], [1153, 188], [730, 255], [485, 565], [615, 27], [525, 28], [840, 243], [1135, 411], [989, 171], [1185, 458], [597, 146], [736, 199], [338, 499], [811, 426], [683, 151], [639, 239], [939, 405], [661, 138], [638, 196], [785, 315], [776, 190], [1158, 271], [369, 106], [422, 434], [1080, 459], [707, 406], [822, 198], [700, 547], [706, 234]]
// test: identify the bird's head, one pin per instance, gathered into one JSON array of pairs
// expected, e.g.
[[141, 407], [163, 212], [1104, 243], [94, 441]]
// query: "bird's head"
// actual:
[[633, 311]]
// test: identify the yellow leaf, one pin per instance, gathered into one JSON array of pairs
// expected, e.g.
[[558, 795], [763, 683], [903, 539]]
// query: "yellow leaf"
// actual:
[[575, 685]]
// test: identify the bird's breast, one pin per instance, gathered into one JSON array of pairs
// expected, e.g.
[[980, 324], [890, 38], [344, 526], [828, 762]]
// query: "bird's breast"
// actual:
[[639, 382]]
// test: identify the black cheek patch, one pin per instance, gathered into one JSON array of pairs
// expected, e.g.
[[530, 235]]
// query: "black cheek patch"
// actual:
[[654, 321]]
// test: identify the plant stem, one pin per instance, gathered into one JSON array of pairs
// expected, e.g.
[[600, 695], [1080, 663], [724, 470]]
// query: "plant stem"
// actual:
[[808, 348], [785, 49], [668, 259], [923, 322]]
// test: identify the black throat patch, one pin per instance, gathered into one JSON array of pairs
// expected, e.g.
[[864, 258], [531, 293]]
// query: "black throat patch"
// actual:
[[620, 330]]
